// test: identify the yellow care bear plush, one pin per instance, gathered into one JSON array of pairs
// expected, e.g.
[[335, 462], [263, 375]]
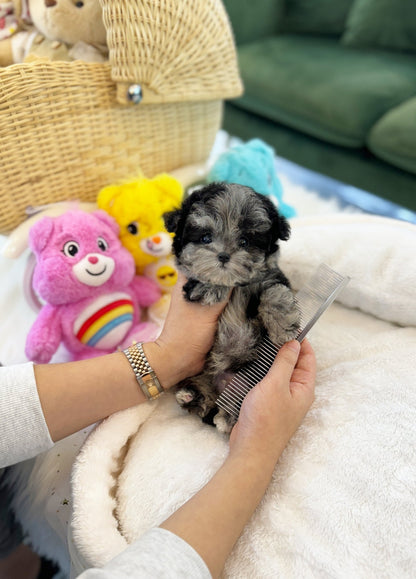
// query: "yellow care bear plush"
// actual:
[[138, 207], [53, 29]]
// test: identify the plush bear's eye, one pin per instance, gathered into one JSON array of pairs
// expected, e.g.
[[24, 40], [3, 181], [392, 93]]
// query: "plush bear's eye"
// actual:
[[206, 238], [133, 228], [70, 248], [79, 4], [243, 242], [102, 244]]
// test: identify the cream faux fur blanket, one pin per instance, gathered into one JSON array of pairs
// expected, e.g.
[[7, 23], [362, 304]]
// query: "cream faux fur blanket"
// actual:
[[342, 500]]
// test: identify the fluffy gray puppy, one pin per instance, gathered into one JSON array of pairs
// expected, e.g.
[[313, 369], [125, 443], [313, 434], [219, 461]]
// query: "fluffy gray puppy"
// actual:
[[226, 238]]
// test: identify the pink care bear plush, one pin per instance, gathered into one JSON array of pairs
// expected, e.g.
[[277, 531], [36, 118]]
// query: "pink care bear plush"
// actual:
[[87, 279]]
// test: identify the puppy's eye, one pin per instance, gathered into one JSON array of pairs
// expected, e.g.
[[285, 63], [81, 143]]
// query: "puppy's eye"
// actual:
[[243, 242], [133, 227], [206, 238], [102, 244], [70, 249]]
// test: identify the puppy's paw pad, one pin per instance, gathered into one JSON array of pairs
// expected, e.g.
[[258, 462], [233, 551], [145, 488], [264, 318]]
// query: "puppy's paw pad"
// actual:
[[184, 396]]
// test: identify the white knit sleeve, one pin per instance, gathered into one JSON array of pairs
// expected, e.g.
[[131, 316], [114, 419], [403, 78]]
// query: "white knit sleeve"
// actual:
[[23, 430], [158, 553]]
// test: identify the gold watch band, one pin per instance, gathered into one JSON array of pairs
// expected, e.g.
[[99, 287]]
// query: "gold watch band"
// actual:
[[145, 375]]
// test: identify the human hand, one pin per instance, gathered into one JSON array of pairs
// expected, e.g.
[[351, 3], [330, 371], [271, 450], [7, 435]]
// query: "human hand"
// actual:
[[275, 407], [186, 338]]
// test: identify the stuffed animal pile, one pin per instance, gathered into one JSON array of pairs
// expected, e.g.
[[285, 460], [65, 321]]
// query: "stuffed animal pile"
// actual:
[[86, 278], [96, 269]]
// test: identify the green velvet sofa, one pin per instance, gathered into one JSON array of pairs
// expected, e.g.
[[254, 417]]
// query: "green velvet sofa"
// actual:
[[331, 85]]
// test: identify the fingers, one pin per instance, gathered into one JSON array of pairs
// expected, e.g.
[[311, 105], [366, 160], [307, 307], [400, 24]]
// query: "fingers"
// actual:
[[294, 368], [283, 366], [306, 359], [302, 384]]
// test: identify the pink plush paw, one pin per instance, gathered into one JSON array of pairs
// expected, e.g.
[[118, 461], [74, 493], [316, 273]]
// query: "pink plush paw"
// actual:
[[144, 332], [38, 355]]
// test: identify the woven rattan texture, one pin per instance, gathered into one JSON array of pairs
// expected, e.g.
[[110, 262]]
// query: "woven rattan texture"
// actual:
[[62, 136], [66, 129], [179, 50]]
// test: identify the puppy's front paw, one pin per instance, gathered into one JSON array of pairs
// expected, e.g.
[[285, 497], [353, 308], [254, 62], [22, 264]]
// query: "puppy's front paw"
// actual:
[[285, 330], [280, 314], [192, 290], [184, 396], [207, 294], [192, 400]]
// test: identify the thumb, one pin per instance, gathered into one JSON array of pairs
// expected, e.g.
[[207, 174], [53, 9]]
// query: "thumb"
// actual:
[[284, 363]]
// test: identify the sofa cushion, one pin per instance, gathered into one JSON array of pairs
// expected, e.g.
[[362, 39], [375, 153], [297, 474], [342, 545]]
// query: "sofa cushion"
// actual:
[[318, 86], [254, 20], [393, 138], [382, 23], [315, 16]]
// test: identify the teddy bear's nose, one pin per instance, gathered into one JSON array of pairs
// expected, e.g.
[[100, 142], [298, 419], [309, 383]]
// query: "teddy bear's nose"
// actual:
[[93, 259], [50, 3], [156, 239]]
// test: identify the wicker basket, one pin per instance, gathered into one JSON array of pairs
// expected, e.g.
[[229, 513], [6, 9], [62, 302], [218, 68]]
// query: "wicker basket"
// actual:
[[69, 128]]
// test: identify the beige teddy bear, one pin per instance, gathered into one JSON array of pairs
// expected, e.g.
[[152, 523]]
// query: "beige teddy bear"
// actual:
[[54, 29]]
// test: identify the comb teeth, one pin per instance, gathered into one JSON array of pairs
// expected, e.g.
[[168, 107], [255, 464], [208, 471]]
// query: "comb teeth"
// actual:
[[312, 300]]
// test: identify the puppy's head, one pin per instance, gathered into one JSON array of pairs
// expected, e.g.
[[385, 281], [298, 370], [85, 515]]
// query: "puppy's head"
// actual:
[[226, 234]]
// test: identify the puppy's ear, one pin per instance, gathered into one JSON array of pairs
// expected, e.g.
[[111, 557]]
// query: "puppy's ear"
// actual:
[[280, 228], [171, 220], [284, 228]]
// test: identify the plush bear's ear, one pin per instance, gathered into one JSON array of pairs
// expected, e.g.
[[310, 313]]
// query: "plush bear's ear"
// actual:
[[171, 220], [107, 196], [108, 220], [171, 191], [40, 233]]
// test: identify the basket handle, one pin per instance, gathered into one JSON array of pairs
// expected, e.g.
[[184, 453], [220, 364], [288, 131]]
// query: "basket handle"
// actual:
[[170, 50]]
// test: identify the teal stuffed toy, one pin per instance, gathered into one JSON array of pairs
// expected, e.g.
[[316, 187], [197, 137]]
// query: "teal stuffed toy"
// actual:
[[251, 164]]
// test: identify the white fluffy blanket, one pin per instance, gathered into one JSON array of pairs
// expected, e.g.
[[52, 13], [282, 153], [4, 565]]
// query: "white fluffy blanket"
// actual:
[[342, 500]]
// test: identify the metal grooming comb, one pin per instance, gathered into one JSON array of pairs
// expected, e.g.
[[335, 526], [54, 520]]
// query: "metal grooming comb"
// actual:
[[312, 300]]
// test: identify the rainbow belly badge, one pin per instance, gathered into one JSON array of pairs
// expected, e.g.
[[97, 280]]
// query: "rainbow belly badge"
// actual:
[[105, 322]]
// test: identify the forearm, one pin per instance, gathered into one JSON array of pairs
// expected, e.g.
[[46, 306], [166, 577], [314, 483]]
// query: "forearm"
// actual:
[[74, 395], [212, 521]]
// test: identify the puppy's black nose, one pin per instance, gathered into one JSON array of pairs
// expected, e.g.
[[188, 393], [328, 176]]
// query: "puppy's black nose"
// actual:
[[223, 257]]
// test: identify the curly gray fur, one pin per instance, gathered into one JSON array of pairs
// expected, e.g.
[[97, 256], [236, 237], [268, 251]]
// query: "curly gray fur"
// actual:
[[226, 237]]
